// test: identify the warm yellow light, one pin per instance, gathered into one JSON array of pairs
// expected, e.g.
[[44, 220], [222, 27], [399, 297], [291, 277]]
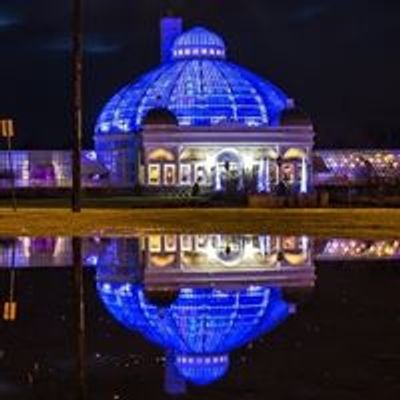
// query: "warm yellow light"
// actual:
[[161, 155], [10, 311], [295, 153]]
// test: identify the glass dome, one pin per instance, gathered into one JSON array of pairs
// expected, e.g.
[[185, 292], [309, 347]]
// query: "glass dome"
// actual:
[[199, 86]]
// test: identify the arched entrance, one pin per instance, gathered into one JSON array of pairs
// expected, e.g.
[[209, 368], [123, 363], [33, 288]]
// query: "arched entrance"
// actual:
[[229, 171]]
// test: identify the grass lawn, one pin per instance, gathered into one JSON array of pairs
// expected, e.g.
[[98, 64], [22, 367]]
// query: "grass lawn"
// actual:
[[363, 223]]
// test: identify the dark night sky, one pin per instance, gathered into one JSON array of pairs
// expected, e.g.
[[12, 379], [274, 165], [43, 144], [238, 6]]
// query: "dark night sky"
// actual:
[[339, 58]]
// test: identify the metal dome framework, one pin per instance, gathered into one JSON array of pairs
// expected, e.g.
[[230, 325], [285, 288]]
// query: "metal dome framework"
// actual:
[[199, 86]]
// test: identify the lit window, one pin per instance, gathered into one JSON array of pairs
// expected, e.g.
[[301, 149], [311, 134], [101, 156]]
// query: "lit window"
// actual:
[[154, 174], [196, 51], [169, 175], [180, 52], [203, 51], [187, 52], [212, 52], [185, 174]]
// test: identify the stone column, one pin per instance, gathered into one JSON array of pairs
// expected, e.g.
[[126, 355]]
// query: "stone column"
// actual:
[[278, 164], [145, 170], [267, 175], [260, 179], [304, 176]]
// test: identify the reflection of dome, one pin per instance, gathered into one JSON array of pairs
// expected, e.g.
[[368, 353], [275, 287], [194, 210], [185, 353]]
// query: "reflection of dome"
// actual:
[[161, 298], [202, 324], [202, 370], [198, 86]]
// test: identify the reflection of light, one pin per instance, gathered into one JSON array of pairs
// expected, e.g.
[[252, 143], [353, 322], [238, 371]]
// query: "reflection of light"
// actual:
[[26, 245], [59, 248], [228, 251], [360, 248], [162, 261], [295, 259]]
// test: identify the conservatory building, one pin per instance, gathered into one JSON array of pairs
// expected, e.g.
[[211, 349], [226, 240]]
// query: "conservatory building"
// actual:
[[200, 119]]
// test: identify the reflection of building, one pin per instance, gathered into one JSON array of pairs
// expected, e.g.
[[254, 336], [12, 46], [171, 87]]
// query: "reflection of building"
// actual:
[[357, 249], [203, 297], [172, 260], [33, 252], [200, 327]]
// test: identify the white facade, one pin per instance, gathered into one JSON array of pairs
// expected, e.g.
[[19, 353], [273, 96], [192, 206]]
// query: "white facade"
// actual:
[[216, 158]]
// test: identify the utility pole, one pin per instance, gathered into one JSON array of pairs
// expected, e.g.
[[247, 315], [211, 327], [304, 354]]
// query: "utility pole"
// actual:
[[77, 71]]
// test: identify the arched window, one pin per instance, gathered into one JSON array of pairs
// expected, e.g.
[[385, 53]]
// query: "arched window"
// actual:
[[161, 155], [295, 153]]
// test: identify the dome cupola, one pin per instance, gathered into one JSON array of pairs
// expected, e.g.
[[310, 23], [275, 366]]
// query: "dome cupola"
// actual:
[[198, 43]]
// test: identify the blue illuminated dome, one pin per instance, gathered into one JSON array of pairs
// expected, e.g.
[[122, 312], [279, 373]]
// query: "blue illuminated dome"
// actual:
[[201, 326], [197, 85]]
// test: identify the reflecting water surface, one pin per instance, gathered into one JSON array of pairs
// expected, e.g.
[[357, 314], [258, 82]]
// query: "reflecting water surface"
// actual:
[[216, 316]]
